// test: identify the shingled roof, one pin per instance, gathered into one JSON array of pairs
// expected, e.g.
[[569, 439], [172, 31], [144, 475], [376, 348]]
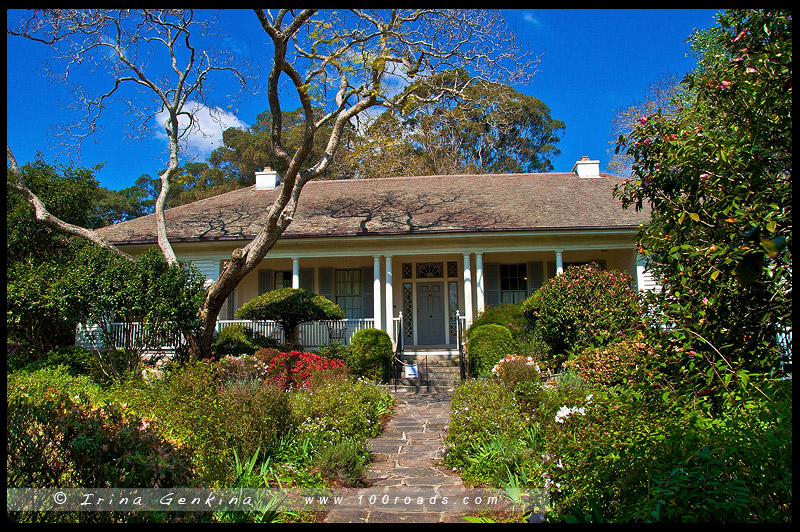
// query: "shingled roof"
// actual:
[[403, 205]]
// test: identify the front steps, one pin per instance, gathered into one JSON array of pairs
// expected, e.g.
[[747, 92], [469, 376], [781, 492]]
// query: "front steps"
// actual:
[[437, 371]]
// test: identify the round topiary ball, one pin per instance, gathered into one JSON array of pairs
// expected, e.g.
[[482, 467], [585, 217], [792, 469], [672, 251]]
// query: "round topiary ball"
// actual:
[[371, 350]]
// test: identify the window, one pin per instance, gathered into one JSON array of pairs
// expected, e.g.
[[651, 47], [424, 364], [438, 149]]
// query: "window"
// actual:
[[513, 283], [348, 292], [283, 279]]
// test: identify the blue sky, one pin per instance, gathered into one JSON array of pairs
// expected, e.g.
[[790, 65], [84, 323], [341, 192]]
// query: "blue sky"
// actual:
[[595, 62]]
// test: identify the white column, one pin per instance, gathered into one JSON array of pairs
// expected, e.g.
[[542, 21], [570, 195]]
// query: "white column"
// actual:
[[376, 289], [479, 284], [389, 300], [559, 262], [295, 272], [467, 289]]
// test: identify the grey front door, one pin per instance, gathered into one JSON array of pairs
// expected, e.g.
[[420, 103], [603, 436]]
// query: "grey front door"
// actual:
[[430, 314]]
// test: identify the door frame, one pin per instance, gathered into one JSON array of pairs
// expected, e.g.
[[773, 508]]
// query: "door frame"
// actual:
[[443, 332]]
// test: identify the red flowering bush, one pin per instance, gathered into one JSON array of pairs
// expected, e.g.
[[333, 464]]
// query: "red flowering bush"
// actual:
[[293, 370]]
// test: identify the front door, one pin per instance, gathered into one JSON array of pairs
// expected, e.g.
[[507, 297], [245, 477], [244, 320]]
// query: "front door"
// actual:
[[430, 314]]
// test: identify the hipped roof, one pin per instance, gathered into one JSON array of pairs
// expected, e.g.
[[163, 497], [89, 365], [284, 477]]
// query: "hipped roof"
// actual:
[[403, 205]]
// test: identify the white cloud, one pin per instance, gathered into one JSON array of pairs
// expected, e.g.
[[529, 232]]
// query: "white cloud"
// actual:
[[205, 133], [527, 16]]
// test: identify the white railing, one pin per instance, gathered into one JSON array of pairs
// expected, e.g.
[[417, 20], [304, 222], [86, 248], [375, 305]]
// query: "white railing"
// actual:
[[312, 334]]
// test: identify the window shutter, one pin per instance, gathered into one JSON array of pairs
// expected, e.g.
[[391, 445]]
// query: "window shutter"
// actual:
[[326, 283], [551, 269], [264, 281], [491, 282], [367, 303], [307, 279], [535, 276]]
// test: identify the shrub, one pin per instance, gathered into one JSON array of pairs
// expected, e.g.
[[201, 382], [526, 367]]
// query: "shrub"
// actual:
[[344, 462], [515, 369], [621, 362], [255, 415], [293, 370], [238, 339], [339, 407], [371, 350], [507, 315], [482, 410], [53, 383], [290, 307], [583, 306], [535, 348], [487, 345], [186, 403], [252, 367], [334, 351], [62, 443]]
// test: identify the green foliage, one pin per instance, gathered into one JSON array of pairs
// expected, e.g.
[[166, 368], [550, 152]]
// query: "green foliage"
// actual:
[[65, 443], [185, 402], [54, 382], [156, 302], [290, 307], [583, 306], [626, 360], [334, 351], [482, 411], [370, 351], [339, 407], [716, 173], [255, 415], [344, 462], [238, 339], [487, 345], [507, 315]]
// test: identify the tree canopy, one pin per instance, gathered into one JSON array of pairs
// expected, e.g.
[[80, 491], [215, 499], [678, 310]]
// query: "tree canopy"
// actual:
[[717, 174]]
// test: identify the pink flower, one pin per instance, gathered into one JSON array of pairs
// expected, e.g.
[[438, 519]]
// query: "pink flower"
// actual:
[[705, 301], [724, 84], [642, 119], [646, 141], [750, 70]]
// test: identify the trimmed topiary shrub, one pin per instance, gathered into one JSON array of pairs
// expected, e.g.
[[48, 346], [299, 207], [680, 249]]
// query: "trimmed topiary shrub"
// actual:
[[507, 315], [371, 350], [487, 345], [290, 307]]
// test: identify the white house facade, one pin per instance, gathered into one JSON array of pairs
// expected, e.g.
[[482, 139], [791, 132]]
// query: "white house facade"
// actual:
[[409, 255]]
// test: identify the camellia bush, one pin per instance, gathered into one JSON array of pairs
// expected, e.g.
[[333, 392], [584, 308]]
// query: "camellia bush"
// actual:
[[583, 306], [717, 174]]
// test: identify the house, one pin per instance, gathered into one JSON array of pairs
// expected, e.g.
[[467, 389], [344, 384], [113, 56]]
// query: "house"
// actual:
[[410, 251]]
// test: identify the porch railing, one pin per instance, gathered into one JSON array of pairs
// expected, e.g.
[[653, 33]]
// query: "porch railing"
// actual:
[[311, 334]]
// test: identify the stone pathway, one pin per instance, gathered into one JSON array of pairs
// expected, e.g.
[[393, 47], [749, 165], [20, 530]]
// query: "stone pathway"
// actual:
[[404, 467]]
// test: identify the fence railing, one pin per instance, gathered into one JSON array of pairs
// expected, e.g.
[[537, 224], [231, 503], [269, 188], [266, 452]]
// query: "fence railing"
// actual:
[[311, 334]]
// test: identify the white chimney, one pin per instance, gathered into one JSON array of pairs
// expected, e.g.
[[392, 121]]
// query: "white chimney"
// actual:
[[586, 168], [267, 179]]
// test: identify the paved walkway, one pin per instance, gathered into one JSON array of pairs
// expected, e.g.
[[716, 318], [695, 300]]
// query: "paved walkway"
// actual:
[[404, 467]]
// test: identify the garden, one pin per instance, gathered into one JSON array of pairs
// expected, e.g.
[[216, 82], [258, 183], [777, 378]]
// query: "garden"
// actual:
[[572, 398], [250, 416], [673, 404]]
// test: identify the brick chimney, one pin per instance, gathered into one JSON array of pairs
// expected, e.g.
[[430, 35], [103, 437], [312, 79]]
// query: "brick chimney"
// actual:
[[586, 168], [267, 179]]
